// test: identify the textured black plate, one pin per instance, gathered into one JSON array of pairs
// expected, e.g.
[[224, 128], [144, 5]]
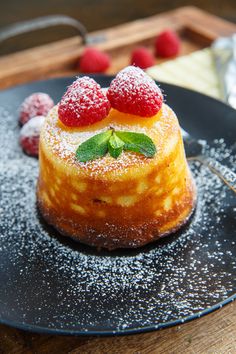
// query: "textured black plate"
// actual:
[[52, 284]]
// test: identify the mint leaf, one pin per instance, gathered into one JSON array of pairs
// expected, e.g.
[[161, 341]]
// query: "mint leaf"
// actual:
[[115, 146], [93, 148], [137, 142], [115, 143]]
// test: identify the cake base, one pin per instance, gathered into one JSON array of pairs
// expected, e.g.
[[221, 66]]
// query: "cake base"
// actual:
[[115, 237]]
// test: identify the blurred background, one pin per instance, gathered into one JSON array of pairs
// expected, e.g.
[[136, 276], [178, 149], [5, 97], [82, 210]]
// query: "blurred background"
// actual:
[[94, 14]]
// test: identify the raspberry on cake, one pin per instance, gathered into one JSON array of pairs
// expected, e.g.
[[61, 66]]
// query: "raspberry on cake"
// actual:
[[134, 92], [132, 185], [84, 103]]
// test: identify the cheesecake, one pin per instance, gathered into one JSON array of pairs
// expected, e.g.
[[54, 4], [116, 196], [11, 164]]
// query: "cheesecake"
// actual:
[[123, 200]]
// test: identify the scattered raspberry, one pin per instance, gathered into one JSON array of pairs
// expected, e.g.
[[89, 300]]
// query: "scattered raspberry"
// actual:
[[34, 105], [94, 61], [134, 92], [167, 44], [29, 135], [84, 103], [142, 57]]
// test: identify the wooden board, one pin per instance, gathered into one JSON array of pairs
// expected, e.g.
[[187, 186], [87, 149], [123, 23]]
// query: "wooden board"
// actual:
[[214, 333], [196, 28]]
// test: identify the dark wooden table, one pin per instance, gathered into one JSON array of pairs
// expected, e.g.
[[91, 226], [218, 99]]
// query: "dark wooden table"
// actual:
[[95, 15], [214, 333]]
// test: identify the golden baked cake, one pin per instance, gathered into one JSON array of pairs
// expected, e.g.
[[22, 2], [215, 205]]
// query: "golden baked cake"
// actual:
[[119, 192]]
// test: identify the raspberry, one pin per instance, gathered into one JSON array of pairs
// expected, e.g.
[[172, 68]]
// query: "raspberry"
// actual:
[[94, 61], [84, 103], [29, 135], [167, 44], [134, 92], [34, 105], [142, 57]]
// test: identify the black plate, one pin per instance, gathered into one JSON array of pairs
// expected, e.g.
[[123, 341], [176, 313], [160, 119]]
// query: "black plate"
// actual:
[[54, 285]]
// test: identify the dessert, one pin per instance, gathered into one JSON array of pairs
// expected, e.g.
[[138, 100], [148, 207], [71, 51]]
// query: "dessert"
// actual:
[[132, 185]]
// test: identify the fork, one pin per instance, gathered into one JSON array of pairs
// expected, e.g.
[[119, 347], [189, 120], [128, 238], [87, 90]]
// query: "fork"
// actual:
[[194, 152]]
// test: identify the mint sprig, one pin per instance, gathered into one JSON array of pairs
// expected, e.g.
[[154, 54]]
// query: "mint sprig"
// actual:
[[115, 145], [115, 142], [137, 142], [93, 148]]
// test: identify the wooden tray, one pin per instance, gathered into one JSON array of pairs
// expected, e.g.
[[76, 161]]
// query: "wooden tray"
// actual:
[[214, 333], [196, 28]]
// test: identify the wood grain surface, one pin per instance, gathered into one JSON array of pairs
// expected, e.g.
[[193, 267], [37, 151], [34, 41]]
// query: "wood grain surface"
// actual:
[[196, 28], [111, 13], [211, 334]]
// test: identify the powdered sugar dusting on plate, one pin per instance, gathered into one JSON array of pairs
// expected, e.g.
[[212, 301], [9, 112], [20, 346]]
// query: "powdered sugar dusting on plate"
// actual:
[[53, 282]]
